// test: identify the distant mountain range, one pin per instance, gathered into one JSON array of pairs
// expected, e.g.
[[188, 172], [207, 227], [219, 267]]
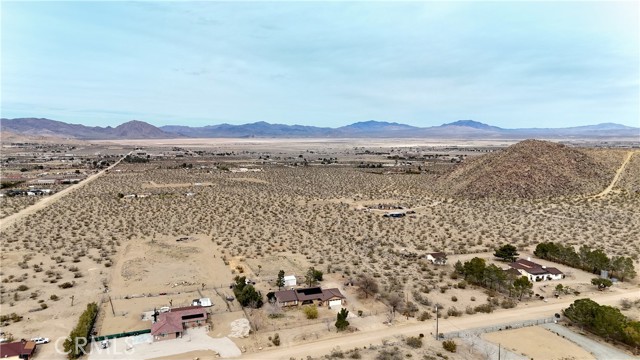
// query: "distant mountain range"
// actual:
[[462, 129]]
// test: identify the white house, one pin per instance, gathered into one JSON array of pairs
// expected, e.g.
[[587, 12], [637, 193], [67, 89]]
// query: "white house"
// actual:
[[204, 302], [536, 272], [437, 258], [290, 280]]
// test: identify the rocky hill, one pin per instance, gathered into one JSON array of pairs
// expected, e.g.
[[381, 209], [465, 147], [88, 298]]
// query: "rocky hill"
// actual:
[[528, 169]]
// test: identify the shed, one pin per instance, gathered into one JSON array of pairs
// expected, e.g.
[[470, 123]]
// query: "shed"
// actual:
[[290, 280]]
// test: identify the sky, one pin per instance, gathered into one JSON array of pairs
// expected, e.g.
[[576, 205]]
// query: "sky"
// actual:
[[510, 64]]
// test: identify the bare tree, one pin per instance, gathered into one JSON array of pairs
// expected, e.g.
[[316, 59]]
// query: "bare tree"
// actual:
[[368, 285], [394, 302]]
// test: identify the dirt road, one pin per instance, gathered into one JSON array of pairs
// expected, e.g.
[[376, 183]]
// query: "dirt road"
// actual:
[[360, 339], [43, 203], [617, 176]]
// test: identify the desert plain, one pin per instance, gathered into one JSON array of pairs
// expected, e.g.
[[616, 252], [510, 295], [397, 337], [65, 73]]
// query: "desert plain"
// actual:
[[253, 207]]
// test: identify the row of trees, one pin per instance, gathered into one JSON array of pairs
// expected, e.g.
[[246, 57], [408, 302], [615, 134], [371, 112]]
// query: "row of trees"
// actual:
[[605, 321], [75, 344], [587, 259], [477, 272]]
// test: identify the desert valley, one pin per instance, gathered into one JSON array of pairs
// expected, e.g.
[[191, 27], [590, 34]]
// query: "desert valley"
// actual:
[[391, 230]]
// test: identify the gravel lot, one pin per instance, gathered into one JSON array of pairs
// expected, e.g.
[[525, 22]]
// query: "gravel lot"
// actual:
[[193, 340], [599, 350]]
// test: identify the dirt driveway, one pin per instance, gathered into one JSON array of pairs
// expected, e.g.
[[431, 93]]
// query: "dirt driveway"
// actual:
[[195, 339]]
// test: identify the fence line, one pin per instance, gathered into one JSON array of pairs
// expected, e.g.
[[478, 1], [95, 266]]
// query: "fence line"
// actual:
[[487, 329]]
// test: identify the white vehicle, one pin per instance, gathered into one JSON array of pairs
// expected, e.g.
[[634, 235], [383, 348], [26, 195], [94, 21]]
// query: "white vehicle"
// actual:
[[104, 344], [40, 340]]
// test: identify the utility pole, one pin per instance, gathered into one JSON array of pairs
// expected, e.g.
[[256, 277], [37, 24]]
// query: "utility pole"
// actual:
[[437, 336], [498, 351], [110, 302]]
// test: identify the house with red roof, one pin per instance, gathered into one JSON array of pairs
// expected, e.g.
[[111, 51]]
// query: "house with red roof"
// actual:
[[171, 324], [536, 272], [315, 295], [18, 350]]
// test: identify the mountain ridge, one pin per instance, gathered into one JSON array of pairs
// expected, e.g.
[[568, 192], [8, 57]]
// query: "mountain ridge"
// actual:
[[461, 129]]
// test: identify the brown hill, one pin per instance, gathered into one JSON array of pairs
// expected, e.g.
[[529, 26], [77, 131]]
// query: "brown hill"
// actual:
[[528, 169]]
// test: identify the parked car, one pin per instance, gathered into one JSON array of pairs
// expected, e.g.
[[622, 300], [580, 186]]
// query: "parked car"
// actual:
[[40, 340]]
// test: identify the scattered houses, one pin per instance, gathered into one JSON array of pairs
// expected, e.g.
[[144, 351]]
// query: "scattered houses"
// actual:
[[315, 295], [536, 272]]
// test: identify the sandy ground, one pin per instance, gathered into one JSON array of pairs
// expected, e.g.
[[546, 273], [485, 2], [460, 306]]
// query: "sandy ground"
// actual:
[[527, 341], [200, 354], [599, 349], [195, 339], [277, 144], [45, 201], [258, 223]]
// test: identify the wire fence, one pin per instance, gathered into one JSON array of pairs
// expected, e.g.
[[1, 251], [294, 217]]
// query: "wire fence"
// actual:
[[487, 329]]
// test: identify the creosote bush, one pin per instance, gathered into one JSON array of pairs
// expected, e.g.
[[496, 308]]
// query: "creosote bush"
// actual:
[[450, 345]]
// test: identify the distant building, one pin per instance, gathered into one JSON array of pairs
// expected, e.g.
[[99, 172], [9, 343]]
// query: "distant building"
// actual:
[[437, 258], [536, 272]]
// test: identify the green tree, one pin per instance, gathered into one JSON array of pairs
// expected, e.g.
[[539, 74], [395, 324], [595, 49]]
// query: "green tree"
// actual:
[[507, 252], [546, 250], [341, 322], [312, 277], [458, 267], [632, 333], [601, 283], [597, 261], [494, 276], [609, 323], [280, 280], [522, 285], [623, 267], [246, 294], [73, 345], [474, 270], [582, 312]]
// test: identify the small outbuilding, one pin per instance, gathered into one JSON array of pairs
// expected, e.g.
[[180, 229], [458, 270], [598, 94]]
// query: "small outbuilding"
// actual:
[[290, 280]]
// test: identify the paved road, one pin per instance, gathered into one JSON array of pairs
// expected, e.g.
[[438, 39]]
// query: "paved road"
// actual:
[[359, 339], [46, 201], [599, 350]]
